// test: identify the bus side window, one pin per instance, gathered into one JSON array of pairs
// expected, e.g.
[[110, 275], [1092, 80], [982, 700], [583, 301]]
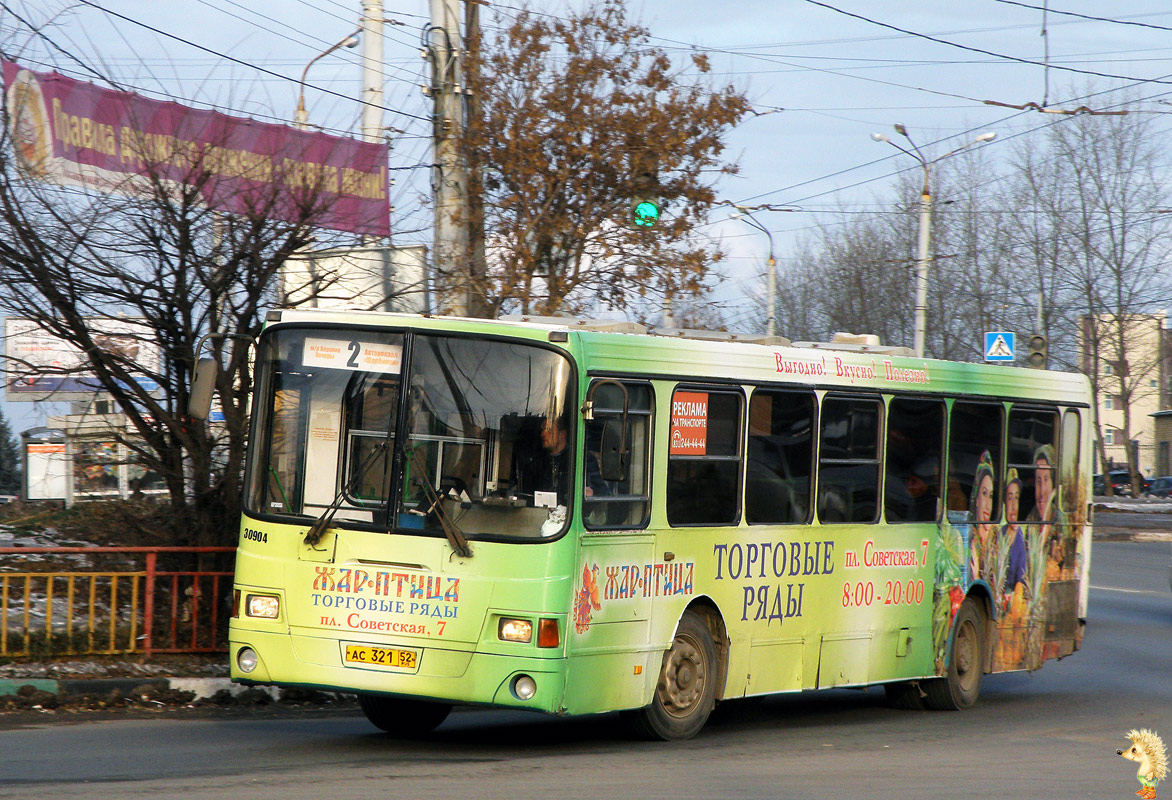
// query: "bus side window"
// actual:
[[974, 442], [848, 460], [704, 458], [915, 445], [623, 503], [1069, 495], [780, 458], [1033, 444]]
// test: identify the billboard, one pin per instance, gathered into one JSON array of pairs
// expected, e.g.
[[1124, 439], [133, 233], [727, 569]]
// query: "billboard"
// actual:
[[45, 470], [41, 366], [366, 278], [76, 134]]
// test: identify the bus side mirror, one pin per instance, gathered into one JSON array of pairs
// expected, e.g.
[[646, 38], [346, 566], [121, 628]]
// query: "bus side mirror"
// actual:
[[203, 384], [614, 459]]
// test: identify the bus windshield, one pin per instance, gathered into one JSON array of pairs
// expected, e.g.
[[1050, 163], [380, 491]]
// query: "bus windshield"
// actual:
[[480, 430]]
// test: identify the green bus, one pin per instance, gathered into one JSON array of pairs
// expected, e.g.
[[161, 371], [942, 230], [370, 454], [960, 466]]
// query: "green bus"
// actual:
[[581, 517]]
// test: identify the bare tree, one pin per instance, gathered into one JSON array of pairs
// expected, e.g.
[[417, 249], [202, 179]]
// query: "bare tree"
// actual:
[[975, 279], [71, 259], [1114, 250], [857, 274], [573, 113]]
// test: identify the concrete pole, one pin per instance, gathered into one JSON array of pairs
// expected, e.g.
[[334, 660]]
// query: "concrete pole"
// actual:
[[771, 323], [449, 182], [745, 214], [923, 259], [372, 70]]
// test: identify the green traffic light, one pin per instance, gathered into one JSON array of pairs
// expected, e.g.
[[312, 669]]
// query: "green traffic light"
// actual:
[[645, 214]]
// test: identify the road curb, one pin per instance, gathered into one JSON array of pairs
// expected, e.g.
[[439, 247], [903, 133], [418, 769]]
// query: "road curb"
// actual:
[[103, 687]]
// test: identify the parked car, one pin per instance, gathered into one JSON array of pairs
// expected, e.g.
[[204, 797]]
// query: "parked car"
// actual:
[[1161, 487], [1120, 483]]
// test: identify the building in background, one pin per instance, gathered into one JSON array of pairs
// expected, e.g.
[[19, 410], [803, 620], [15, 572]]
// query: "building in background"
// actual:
[[1127, 360], [85, 456]]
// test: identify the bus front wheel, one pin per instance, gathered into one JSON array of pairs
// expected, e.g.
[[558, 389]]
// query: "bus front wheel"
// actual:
[[961, 684], [400, 717], [686, 692]]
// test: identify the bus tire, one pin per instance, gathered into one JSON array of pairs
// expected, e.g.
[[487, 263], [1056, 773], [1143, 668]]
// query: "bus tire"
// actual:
[[961, 684], [401, 717], [686, 691]]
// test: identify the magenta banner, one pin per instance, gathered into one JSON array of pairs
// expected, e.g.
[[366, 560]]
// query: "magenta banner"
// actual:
[[77, 134]]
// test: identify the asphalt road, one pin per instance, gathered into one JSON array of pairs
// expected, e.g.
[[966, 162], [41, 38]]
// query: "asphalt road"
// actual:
[[1050, 734]]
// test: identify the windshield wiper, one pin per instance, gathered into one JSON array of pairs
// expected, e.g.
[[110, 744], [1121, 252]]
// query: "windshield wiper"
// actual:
[[455, 536], [318, 529]]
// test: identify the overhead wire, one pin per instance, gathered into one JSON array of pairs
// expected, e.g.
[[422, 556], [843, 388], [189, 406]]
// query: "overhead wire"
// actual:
[[972, 49], [241, 62], [1091, 18]]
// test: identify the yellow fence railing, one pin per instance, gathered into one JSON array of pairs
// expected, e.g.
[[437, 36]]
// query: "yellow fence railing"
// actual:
[[141, 609]]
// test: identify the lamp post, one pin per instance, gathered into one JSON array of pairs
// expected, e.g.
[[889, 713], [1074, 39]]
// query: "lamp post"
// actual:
[[743, 213], [925, 230], [301, 116]]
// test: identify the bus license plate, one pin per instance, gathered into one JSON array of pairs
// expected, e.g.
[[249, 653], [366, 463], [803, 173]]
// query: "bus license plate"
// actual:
[[381, 656]]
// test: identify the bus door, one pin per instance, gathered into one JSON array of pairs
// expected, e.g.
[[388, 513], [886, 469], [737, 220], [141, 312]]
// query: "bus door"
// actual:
[[619, 574]]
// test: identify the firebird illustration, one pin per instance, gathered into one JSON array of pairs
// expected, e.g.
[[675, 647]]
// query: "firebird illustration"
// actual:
[[586, 601]]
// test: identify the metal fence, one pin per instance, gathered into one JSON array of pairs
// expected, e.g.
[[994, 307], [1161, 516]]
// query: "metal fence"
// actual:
[[90, 601]]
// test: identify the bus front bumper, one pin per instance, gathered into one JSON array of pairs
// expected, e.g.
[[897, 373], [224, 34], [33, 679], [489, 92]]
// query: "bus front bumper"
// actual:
[[454, 676]]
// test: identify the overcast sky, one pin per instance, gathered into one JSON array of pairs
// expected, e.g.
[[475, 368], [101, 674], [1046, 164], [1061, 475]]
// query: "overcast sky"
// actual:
[[836, 76]]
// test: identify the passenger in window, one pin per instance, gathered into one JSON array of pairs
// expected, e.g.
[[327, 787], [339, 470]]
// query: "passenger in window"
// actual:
[[595, 485], [544, 471], [555, 440], [1013, 543], [984, 539], [923, 486]]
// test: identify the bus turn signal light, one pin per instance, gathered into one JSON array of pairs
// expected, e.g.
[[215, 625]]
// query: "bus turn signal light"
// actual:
[[547, 633]]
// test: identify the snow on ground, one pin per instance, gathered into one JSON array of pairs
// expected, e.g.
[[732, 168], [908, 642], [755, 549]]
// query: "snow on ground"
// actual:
[[1140, 505]]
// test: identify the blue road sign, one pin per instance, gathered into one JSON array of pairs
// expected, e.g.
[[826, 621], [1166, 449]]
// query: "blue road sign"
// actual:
[[999, 345]]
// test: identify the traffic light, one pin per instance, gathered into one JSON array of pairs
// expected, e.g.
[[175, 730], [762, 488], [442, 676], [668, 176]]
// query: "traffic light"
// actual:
[[1037, 356], [645, 201]]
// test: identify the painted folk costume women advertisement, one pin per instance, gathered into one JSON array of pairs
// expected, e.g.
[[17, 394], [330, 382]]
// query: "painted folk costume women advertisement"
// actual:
[[1029, 567]]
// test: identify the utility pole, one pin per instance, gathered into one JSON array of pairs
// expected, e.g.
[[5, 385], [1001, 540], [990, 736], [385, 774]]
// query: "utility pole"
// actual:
[[449, 180], [923, 239], [477, 259], [372, 70], [746, 214]]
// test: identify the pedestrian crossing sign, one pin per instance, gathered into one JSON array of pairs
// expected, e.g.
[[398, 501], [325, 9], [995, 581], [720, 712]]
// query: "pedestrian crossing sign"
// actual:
[[999, 345]]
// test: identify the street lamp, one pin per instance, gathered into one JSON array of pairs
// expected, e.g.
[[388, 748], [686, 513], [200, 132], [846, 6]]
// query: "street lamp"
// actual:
[[922, 254], [743, 213], [301, 116]]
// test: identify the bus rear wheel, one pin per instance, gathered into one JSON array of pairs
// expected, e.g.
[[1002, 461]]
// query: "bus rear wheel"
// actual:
[[686, 692], [961, 684], [401, 717]]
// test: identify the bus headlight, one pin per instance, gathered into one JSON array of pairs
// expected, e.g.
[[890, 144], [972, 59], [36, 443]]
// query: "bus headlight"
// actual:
[[247, 659], [515, 630], [265, 606]]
